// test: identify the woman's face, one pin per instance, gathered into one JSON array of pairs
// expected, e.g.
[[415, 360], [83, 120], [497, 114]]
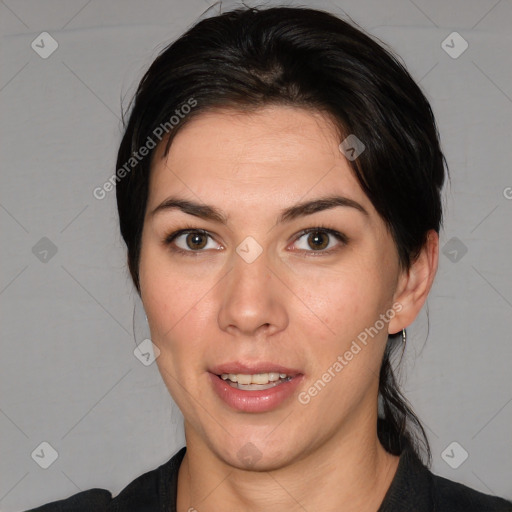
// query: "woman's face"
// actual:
[[251, 293]]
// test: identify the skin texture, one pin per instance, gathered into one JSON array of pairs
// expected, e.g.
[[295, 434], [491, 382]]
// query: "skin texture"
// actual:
[[293, 306]]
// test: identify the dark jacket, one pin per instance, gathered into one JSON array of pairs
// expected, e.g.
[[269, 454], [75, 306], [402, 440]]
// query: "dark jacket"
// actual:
[[413, 489]]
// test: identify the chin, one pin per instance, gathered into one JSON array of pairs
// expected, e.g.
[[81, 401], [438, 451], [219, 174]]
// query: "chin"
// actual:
[[257, 453]]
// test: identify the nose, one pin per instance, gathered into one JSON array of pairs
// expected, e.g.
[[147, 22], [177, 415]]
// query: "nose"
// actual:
[[252, 299]]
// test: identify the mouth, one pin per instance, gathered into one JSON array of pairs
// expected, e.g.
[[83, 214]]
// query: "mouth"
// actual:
[[254, 388], [255, 382]]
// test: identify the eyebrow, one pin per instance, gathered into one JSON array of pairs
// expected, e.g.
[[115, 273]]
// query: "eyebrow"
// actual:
[[212, 213]]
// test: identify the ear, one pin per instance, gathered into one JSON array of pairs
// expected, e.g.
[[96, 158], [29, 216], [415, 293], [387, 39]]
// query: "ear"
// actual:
[[414, 285]]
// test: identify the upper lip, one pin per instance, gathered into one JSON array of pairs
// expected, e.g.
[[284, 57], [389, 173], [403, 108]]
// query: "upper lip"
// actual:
[[253, 368]]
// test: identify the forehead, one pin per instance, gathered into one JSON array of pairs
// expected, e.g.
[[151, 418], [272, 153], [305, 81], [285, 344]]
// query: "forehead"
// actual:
[[274, 155]]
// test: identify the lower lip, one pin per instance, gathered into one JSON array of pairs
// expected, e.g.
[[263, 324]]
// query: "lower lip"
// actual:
[[254, 401]]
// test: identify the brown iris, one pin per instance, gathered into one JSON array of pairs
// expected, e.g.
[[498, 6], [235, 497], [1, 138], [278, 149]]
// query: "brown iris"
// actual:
[[196, 240], [315, 240]]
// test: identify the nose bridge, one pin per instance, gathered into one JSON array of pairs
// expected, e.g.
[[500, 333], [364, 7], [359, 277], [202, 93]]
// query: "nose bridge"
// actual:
[[249, 280], [250, 297]]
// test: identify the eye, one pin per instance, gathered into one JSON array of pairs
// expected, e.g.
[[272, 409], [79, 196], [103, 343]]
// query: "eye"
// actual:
[[191, 241], [321, 240], [194, 241]]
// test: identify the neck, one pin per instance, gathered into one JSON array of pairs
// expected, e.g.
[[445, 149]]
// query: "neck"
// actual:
[[354, 471]]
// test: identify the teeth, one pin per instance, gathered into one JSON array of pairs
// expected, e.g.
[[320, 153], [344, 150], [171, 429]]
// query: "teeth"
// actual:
[[244, 379], [258, 378]]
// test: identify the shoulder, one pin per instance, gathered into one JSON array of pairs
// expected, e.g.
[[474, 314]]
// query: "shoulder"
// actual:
[[416, 489], [92, 499], [452, 496], [148, 491]]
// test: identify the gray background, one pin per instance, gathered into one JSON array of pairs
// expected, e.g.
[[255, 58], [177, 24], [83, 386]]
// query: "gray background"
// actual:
[[68, 373]]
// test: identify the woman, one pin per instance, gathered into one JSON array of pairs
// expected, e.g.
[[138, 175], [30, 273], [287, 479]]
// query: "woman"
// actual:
[[278, 189]]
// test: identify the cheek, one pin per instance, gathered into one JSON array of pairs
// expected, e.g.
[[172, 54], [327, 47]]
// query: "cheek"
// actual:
[[167, 298], [174, 308], [344, 301], [169, 293], [349, 303]]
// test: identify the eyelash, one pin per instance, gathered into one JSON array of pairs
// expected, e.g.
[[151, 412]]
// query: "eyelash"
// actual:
[[169, 239]]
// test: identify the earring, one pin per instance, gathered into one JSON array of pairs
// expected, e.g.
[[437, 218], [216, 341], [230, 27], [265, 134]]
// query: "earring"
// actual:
[[404, 336]]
